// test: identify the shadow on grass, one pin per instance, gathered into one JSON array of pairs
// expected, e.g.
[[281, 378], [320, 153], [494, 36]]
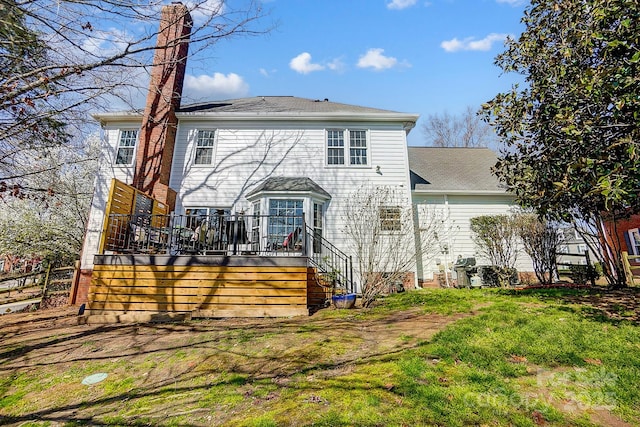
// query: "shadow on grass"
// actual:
[[599, 304], [188, 361]]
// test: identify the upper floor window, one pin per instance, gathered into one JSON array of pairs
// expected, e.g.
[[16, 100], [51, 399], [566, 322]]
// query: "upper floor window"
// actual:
[[204, 147], [347, 147], [126, 147], [357, 147], [335, 147]]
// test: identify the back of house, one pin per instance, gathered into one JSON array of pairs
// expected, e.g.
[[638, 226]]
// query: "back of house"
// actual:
[[267, 155]]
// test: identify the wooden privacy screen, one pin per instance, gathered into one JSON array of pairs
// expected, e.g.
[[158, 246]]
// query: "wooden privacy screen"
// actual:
[[127, 200]]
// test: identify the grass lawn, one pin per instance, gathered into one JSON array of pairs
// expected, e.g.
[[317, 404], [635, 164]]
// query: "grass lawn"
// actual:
[[432, 357]]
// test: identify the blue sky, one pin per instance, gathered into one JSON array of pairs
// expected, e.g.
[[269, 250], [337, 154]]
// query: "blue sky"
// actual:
[[413, 56]]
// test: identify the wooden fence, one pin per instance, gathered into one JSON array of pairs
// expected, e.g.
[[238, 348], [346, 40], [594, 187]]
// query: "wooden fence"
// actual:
[[37, 285], [577, 275], [632, 270]]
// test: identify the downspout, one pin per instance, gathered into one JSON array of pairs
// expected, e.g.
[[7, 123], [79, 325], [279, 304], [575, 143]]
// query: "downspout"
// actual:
[[448, 230]]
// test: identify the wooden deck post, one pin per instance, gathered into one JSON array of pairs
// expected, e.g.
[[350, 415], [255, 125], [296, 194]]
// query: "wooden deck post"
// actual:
[[627, 268]]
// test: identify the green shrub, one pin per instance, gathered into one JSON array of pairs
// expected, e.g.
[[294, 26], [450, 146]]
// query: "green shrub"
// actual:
[[496, 276], [583, 273]]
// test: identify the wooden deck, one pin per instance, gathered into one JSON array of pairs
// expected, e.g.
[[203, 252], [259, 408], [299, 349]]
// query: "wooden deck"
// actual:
[[204, 286]]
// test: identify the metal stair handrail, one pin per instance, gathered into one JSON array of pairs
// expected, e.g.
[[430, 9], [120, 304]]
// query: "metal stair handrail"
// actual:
[[331, 263]]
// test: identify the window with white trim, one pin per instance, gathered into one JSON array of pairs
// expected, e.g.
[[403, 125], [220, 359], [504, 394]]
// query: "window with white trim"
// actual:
[[317, 227], [335, 147], [357, 147], [347, 147], [205, 142], [126, 146], [390, 218], [634, 240], [284, 228], [255, 226]]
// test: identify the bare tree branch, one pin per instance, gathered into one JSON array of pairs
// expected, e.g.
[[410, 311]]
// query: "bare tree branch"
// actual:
[[60, 59], [465, 130]]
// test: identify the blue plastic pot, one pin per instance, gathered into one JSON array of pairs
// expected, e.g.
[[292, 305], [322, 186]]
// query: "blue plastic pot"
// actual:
[[344, 301]]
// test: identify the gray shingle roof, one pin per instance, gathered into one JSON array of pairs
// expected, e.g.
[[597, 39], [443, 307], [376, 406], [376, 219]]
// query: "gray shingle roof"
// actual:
[[453, 170], [277, 104], [282, 183]]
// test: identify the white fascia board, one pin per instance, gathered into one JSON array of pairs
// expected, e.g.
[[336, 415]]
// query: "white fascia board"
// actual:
[[408, 120], [119, 116], [301, 116], [287, 194]]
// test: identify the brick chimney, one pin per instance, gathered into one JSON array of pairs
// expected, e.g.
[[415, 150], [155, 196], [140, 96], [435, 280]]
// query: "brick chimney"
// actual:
[[159, 122]]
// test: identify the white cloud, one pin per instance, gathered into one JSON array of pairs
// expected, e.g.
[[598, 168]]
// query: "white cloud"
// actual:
[[217, 86], [375, 59], [455, 45], [400, 4], [106, 42], [336, 65], [267, 73], [303, 65], [204, 11]]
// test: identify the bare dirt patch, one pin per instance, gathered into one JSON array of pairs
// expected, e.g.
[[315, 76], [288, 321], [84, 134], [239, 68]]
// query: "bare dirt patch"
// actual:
[[175, 366], [55, 335]]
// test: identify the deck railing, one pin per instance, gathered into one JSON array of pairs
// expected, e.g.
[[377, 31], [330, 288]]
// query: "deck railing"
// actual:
[[205, 234], [334, 267], [225, 234]]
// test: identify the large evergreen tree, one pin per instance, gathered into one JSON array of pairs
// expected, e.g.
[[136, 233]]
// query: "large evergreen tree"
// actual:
[[571, 133]]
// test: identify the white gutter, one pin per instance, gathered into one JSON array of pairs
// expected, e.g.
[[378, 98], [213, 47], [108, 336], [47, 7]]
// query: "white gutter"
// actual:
[[298, 115], [120, 116]]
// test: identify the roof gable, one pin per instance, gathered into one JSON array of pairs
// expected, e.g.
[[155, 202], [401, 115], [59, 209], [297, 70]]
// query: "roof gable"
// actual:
[[282, 184]]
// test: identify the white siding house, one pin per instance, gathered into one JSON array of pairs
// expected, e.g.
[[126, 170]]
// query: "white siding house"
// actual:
[[457, 184], [257, 154]]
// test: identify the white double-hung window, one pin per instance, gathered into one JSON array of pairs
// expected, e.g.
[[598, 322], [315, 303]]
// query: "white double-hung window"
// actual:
[[205, 143], [358, 147], [126, 146], [347, 147], [335, 147]]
